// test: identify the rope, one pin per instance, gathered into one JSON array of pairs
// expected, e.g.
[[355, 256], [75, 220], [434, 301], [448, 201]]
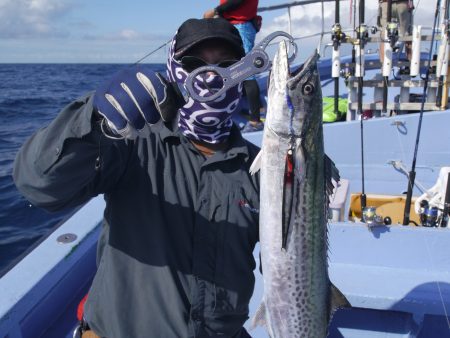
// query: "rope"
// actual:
[[402, 149], [323, 26], [289, 20]]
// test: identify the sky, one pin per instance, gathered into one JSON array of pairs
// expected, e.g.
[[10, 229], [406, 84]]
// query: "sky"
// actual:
[[100, 31]]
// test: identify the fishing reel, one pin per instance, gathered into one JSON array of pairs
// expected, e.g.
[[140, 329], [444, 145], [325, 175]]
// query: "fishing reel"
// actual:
[[392, 33], [345, 73], [445, 215], [429, 215], [337, 35], [370, 217], [363, 35]]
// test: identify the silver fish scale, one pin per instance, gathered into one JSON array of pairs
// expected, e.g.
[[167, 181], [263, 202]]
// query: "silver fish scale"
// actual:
[[296, 284]]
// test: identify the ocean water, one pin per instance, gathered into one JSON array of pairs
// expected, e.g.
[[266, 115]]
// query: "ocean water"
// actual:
[[31, 95]]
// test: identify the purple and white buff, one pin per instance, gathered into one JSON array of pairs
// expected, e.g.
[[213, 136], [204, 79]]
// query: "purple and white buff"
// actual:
[[210, 121]]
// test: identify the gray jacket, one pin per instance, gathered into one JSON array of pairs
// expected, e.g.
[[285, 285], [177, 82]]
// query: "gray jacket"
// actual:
[[175, 255]]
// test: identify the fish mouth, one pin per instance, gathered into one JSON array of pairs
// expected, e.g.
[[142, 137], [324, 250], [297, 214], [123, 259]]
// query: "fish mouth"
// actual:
[[303, 73], [290, 91]]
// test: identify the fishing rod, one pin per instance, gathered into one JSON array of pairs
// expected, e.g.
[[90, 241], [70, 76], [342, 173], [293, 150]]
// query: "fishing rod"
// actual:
[[442, 61], [152, 52], [412, 173], [390, 37], [337, 36], [353, 9], [362, 36]]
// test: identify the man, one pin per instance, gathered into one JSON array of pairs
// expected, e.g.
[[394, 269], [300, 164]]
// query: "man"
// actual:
[[402, 13], [242, 14], [180, 225]]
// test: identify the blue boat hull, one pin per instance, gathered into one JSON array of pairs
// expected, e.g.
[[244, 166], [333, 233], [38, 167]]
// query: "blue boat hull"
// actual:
[[396, 278]]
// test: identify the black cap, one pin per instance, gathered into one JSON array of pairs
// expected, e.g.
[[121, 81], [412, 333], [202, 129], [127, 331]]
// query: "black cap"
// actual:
[[194, 31]]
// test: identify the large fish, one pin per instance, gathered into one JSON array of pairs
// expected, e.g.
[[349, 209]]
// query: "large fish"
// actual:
[[296, 180]]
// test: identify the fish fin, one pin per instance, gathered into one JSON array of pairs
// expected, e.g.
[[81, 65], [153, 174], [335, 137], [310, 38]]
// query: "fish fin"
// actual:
[[256, 164], [337, 300], [259, 319], [331, 175]]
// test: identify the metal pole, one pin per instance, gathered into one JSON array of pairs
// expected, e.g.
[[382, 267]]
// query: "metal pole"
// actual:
[[336, 79], [386, 78], [290, 4]]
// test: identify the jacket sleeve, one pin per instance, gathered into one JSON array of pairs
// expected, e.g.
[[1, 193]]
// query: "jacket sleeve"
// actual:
[[70, 161], [228, 5]]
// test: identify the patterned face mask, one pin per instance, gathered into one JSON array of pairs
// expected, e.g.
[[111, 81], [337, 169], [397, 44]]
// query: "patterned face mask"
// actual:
[[210, 121]]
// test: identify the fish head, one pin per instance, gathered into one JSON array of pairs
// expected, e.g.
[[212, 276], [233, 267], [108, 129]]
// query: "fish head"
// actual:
[[294, 100], [304, 93]]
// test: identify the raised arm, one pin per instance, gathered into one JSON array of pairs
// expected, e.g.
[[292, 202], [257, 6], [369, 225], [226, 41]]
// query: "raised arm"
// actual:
[[70, 161], [86, 149]]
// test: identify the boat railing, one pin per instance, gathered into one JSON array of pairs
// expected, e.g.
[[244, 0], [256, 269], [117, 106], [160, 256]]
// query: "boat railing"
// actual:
[[437, 84], [45, 287]]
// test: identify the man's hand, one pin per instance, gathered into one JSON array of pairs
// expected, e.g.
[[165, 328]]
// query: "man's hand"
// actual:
[[135, 98], [210, 13]]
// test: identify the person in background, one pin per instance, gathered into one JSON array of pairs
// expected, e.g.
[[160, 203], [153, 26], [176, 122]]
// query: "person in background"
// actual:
[[242, 14], [175, 255], [402, 12]]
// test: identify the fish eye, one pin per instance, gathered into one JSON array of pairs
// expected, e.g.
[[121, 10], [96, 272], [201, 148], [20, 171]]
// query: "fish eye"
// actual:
[[308, 89]]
